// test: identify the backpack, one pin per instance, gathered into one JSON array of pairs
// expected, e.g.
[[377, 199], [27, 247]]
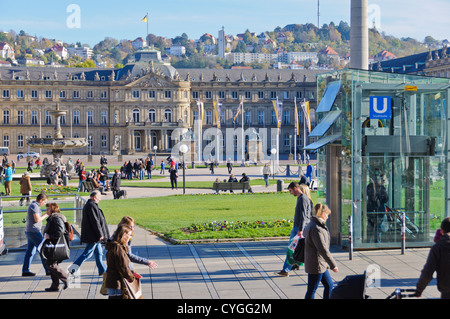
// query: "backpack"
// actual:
[[69, 229]]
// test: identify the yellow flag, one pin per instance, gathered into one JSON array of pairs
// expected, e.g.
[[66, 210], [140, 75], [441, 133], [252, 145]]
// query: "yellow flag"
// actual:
[[145, 18], [239, 110], [305, 107]]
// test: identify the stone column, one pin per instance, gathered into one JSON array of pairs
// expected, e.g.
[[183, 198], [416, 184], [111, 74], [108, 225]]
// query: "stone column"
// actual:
[[359, 35]]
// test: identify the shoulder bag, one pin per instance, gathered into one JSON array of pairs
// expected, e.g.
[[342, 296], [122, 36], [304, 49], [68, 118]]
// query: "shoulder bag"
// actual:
[[132, 290]]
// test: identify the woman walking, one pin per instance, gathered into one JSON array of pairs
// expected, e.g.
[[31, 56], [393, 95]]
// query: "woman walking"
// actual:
[[54, 230], [317, 254], [118, 263], [25, 188]]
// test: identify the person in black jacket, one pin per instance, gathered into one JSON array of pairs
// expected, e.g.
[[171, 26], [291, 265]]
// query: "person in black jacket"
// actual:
[[94, 231], [173, 178], [115, 184], [438, 261], [54, 229]]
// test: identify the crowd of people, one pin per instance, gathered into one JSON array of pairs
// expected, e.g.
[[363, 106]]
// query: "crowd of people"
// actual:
[[96, 236], [310, 223]]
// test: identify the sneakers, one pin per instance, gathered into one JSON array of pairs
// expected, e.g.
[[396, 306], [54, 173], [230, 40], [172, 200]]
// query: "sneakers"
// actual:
[[282, 273]]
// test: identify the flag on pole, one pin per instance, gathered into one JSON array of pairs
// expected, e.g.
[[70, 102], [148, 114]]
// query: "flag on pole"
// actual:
[[278, 108], [145, 18], [200, 111], [297, 129], [239, 110], [305, 108], [217, 109]]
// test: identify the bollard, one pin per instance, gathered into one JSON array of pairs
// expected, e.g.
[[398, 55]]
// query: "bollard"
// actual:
[[403, 235], [288, 170], [280, 185]]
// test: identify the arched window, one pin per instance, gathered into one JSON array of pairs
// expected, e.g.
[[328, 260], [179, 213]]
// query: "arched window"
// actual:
[[152, 115], [136, 115], [168, 115]]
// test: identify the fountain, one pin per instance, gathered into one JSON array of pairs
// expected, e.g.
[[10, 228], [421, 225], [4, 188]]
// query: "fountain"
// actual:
[[57, 144]]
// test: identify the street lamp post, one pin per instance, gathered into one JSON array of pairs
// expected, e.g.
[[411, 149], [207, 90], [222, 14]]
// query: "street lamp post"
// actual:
[[273, 151], [155, 148], [183, 150]]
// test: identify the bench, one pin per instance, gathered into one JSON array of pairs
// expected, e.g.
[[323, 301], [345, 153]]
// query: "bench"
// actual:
[[88, 186], [232, 186]]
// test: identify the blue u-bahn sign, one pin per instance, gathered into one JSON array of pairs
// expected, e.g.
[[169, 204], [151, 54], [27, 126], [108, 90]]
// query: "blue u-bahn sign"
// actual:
[[380, 107]]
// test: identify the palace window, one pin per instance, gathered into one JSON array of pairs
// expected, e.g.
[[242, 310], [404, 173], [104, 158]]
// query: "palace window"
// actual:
[[103, 118], [20, 141], [20, 117], [152, 115], [90, 117], [136, 115], [260, 117], [168, 115], [5, 117], [48, 118], [6, 141], [76, 117], [34, 117]]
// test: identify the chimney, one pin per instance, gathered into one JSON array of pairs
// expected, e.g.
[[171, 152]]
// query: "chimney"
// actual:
[[359, 35]]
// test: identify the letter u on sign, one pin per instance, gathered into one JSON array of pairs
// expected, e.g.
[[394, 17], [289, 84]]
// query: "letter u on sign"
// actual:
[[380, 107]]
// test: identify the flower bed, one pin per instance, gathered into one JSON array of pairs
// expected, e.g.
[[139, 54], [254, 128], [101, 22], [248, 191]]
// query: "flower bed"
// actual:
[[54, 189], [231, 225]]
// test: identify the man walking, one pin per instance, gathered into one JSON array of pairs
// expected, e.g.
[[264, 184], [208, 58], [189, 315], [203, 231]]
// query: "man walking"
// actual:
[[438, 261], [94, 231], [33, 233], [301, 219]]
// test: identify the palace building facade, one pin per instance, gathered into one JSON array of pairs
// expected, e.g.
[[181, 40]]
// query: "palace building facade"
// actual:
[[137, 107]]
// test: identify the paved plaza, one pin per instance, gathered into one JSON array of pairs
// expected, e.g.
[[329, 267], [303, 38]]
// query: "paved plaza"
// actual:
[[241, 270]]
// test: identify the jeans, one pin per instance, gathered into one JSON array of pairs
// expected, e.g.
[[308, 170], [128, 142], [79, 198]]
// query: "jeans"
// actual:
[[266, 179], [34, 239], [80, 185], [287, 267], [313, 284], [97, 250]]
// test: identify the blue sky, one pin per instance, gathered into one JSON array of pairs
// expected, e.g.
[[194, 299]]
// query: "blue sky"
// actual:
[[170, 18]]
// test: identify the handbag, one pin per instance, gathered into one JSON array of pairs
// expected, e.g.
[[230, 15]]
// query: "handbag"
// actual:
[[293, 248], [132, 290], [58, 251]]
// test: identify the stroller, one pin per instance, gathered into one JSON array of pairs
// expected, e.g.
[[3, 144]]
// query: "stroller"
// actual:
[[354, 287], [351, 287]]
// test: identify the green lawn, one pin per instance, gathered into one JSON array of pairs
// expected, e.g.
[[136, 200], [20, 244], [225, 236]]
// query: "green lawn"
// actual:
[[169, 215]]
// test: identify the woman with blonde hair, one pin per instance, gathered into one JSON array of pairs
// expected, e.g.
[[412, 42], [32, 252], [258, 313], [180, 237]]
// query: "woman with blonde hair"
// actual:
[[317, 254], [128, 221], [305, 190]]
